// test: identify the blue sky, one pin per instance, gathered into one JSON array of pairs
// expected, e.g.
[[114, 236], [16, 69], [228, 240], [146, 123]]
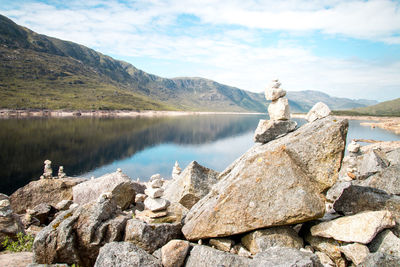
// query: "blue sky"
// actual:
[[346, 48]]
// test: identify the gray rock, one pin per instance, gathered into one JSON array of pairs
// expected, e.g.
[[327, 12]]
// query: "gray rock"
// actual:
[[206, 256], [151, 236], [283, 257], [173, 254], [138, 187], [191, 185], [281, 236], [353, 147], [336, 190], [386, 242], [125, 254], [245, 197], [49, 191], [360, 228], [156, 183], [156, 204], [380, 259], [355, 252], [10, 223], [318, 111], [117, 183], [355, 199], [64, 204], [268, 130], [279, 109], [324, 259], [224, 244], [387, 179], [76, 235]]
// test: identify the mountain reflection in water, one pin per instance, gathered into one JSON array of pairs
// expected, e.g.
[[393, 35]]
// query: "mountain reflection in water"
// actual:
[[85, 144]]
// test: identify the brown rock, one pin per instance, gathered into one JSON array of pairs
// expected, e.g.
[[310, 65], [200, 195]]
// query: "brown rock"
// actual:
[[173, 254], [49, 191]]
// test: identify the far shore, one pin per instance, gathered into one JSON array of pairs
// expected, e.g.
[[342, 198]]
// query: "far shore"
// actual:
[[8, 113], [388, 123]]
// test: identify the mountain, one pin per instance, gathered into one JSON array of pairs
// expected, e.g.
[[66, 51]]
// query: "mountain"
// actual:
[[42, 72], [305, 100], [387, 108]]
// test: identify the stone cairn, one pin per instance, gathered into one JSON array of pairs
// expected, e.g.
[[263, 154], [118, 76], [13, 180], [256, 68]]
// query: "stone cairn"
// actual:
[[176, 171], [279, 123], [48, 171], [351, 171], [155, 207]]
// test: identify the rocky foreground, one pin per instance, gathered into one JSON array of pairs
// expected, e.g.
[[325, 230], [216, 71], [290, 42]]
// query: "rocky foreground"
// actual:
[[294, 200]]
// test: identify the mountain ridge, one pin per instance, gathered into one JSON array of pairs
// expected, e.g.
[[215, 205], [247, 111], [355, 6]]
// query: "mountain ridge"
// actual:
[[48, 73]]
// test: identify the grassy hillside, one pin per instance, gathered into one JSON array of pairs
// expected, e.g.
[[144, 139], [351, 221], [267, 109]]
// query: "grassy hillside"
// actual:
[[42, 72], [387, 108]]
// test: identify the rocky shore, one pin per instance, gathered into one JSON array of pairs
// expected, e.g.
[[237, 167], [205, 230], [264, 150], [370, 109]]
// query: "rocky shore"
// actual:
[[292, 199]]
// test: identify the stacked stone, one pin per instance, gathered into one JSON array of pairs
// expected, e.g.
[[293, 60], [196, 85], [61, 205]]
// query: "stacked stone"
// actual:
[[155, 206], [176, 171], [48, 171], [279, 113]]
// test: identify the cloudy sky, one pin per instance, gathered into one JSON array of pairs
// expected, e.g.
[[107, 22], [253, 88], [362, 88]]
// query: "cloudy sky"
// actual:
[[346, 48]]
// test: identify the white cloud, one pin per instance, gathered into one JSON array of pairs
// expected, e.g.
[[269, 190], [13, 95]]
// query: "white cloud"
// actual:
[[229, 54]]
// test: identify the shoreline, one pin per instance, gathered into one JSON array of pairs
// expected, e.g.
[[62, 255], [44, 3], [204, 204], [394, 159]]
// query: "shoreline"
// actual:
[[391, 124], [8, 113]]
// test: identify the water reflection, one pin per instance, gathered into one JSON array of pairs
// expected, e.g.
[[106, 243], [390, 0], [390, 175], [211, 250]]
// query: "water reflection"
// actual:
[[85, 144], [140, 146]]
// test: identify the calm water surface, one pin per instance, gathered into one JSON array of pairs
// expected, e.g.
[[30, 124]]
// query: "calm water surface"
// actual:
[[139, 146]]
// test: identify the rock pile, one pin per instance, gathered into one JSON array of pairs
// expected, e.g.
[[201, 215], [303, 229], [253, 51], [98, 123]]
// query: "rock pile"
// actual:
[[48, 171], [155, 206], [279, 114], [176, 171]]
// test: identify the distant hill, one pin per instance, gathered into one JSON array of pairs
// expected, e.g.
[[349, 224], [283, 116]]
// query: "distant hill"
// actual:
[[42, 72], [387, 108]]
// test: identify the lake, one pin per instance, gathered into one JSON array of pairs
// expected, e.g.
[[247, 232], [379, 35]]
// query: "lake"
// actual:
[[140, 146]]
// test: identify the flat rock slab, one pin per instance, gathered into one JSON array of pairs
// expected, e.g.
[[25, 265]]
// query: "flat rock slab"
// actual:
[[268, 130], [299, 166], [360, 228]]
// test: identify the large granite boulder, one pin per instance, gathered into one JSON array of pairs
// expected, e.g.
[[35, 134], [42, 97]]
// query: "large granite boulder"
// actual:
[[281, 236], [300, 166], [119, 184], [49, 191], [10, 223], [125, 254], [151, 236], [76, 235], [360, 228], [191, 185]]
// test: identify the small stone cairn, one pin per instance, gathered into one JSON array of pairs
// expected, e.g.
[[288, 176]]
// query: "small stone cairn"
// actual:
[[48, 171], [351, 171], [279, 113], [176, 171], [155, 206]]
